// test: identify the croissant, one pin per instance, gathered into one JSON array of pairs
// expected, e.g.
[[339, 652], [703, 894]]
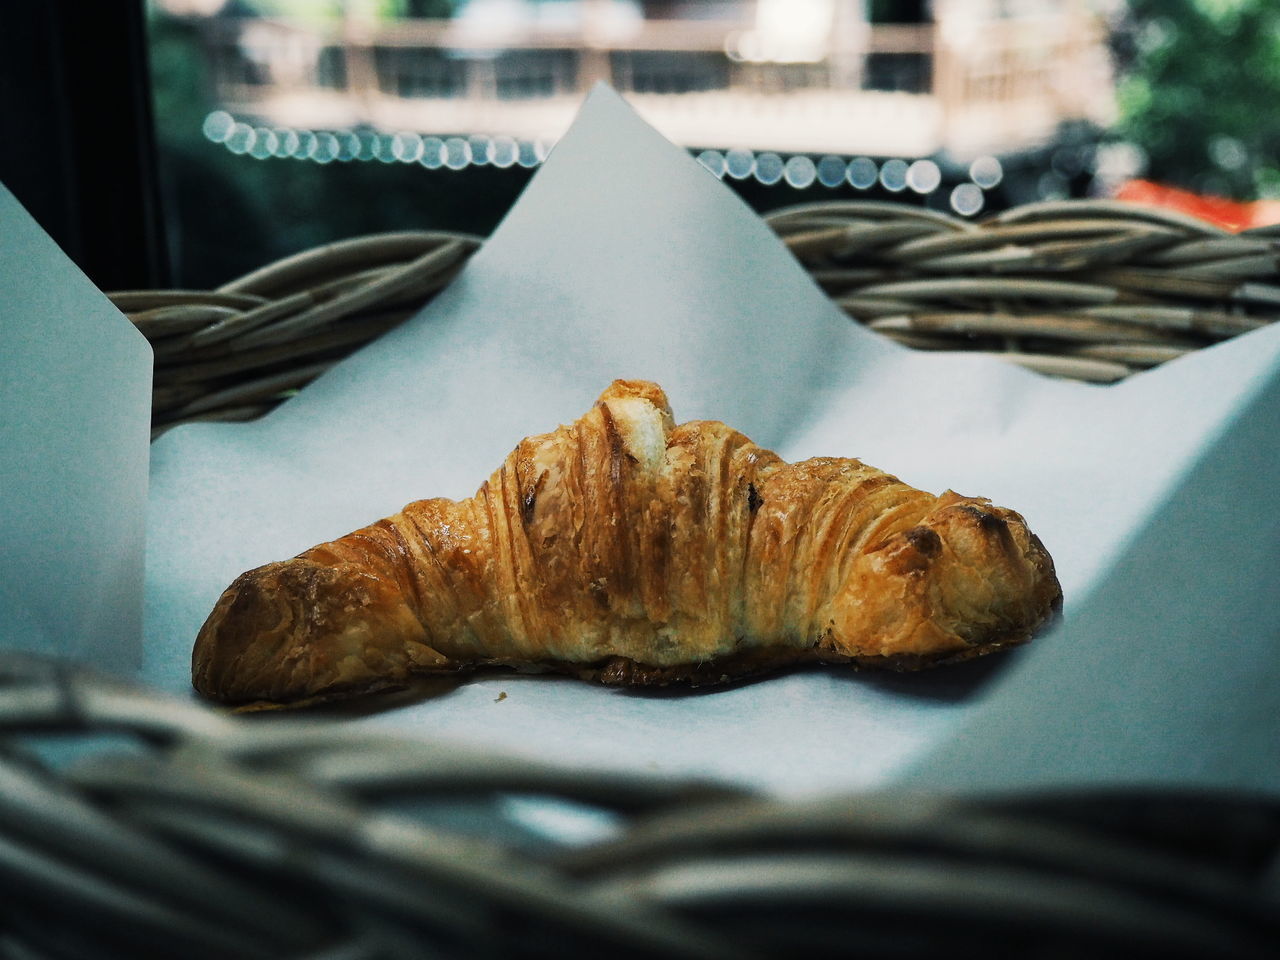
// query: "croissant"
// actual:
[[628, 550]]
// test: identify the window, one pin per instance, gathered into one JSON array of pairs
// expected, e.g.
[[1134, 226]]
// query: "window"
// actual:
[[286, 124]]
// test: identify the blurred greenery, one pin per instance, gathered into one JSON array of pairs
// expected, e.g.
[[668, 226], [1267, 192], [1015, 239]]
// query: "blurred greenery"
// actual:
[[1198, 93]]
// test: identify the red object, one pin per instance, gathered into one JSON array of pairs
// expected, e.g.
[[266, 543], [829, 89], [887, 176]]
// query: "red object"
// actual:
[[1231, 214]]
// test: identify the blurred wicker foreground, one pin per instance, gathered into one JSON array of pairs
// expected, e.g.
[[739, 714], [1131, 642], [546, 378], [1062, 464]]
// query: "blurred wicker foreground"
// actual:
[[1091, 290], [169, 830]]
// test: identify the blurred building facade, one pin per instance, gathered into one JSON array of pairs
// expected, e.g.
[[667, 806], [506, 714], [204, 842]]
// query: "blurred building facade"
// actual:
[[959, 77]]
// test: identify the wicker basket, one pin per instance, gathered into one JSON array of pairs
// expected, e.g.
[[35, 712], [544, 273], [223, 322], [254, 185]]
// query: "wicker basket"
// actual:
[[188, 833], [1091, 290], [162, 828]]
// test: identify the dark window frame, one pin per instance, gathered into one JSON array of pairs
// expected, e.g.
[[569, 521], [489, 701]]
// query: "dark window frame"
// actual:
[[79, 144]]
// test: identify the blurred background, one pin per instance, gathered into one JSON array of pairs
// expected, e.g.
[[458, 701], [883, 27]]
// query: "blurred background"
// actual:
[[281, 124]]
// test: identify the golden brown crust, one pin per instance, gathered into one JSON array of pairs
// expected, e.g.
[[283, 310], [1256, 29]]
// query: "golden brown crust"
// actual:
[[628, 550]]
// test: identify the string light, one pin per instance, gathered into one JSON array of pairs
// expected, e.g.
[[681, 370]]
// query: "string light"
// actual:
[[769, 167], [369, 143], [799, 171], [831, 171], [863, 173], [481, 150], [348, 147], [306, 145], [217, 126], [265, 142], [432, 153], [714, 161], [924, 176], [286, 143], [527, 156], [326, 149], [239, 139], [739, 164], [967, 199], [406, 147], [893, 175], [457, 153], [385, 148], [986, 172]]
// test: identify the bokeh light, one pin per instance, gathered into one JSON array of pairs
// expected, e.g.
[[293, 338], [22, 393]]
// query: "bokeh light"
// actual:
[[831, 171], [265, 142], [481, 150], [739, 164], [714, 161], [893, 175], [306, 145], [239, 139], [348, 147], [967, 199], [406, 147], [503, 152], [432, 153], [863, 173], [1053, 186], [218, 125], [986, 172], [327, 147], [800, 172], [369, 144], [527, 155], [924, 176], [387, 148], [286, 142], [457, 153], [769, 167]]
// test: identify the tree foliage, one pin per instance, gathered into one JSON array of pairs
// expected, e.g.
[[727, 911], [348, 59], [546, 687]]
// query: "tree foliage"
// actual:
[[1200, 93]]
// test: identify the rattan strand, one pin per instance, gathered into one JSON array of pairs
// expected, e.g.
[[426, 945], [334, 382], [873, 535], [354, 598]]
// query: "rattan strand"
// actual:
[[160, 827], [1088, 290]]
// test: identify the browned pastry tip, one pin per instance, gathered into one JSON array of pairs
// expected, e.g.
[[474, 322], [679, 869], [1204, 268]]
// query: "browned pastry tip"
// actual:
[[968, 578], [628, 550], [287, 631]]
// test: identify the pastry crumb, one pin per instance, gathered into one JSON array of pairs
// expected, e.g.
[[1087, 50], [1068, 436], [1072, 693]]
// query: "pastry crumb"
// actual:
[[502, 695]]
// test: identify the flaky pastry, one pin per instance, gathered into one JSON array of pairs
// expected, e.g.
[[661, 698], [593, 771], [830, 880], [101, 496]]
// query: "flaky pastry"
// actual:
[[628, 550]]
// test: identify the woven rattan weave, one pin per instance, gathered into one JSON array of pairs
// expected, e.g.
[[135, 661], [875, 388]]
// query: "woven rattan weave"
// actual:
[[1091, 290], [133, 825]]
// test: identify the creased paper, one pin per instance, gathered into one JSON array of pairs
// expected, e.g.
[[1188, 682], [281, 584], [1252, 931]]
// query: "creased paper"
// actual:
[[75, 414]]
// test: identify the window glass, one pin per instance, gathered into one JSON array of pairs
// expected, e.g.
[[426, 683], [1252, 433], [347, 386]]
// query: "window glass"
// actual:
[[287, 123]]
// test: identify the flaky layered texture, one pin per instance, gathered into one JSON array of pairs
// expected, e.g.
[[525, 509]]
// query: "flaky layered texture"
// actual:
[[629, 550]]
